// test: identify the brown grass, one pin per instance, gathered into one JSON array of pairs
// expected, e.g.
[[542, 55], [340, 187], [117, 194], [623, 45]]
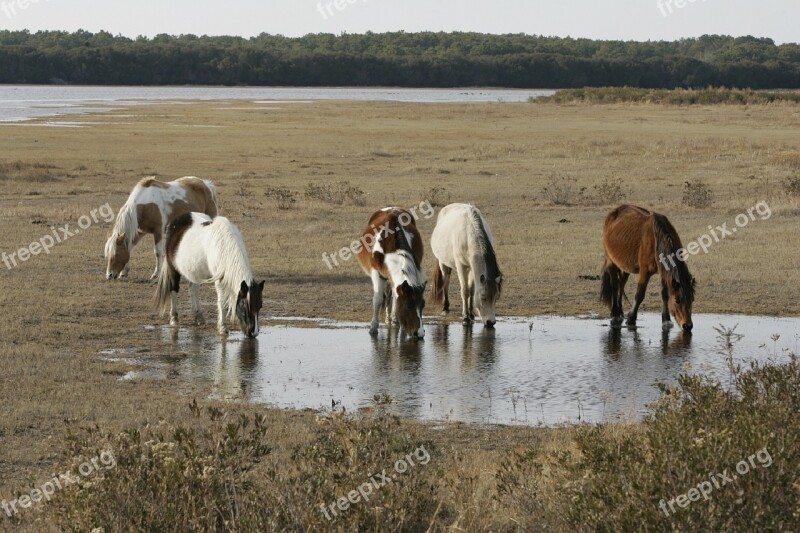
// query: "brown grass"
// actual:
[[59, 312]]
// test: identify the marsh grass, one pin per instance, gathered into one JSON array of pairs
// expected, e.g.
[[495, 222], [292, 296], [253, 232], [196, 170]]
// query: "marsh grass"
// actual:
[[28, 172], [709, 96]]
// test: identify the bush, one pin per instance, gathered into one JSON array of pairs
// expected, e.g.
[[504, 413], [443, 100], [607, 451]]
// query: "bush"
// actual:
[[699, 430], [611, 191], [560, 191], [336, 193], [284, 198], [697, 194], [709, 96], [792, 186], [437, 196]]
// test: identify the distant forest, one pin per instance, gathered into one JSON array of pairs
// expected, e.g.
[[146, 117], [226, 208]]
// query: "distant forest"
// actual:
[[396, 59]]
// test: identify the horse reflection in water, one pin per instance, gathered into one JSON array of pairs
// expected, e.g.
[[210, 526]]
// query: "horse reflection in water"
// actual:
[[614, 347], [233, 372]]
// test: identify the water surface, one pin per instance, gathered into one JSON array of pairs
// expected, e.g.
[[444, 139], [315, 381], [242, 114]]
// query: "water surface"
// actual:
[[24, 102], [541, 370]]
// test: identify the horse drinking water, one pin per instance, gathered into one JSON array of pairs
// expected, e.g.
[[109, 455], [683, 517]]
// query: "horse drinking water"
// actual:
[[210, 251], [392, 256], [462, 240], [639, 241], [151, 205]]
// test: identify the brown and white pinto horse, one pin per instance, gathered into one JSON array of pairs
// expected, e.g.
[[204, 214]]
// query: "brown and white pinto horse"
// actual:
[[639, 241], [391, 254], [151, 206]]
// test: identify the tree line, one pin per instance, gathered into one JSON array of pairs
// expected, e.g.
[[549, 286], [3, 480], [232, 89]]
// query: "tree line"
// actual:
[[402, 59]]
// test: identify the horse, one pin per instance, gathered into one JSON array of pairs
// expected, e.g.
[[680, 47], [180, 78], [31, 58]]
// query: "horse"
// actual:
[[639, 241], [463, 241], [391, 254], [151, 205], [206, 250]]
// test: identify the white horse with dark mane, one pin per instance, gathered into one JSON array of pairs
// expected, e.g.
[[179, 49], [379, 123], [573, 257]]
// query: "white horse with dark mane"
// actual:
[[463, 241], [210, 251], [151, 205]]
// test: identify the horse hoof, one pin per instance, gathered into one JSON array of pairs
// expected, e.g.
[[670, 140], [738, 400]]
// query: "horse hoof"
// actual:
[[630, 322], [222, 331], [666, 325], [173, 323], [199, 320], [616, 321]]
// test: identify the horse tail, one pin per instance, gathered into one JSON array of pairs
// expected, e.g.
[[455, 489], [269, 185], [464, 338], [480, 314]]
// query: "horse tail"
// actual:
[[438, 284], [606, 285], [161, 301]]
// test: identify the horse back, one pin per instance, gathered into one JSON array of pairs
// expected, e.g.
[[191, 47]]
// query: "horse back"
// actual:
[[389, 230]]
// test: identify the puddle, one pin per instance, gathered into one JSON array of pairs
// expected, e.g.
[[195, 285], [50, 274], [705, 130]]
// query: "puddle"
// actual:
[[539, 370]]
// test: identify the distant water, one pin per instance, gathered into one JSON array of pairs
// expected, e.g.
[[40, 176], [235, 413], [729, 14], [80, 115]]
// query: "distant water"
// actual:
[[24, 102]]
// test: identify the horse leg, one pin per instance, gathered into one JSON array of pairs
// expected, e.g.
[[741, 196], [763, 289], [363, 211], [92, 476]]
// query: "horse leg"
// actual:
[[199, 319], [471, 293], [174, 287], [446, 271], [463, 280], [378, 296], [389, 305], [641, 290], [623, 280], [158, 249], [615, 276], [666, 322], [222, 309]]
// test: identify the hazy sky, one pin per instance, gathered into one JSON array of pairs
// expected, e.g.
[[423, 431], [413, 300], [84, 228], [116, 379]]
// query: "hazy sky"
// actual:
[[606, 19]]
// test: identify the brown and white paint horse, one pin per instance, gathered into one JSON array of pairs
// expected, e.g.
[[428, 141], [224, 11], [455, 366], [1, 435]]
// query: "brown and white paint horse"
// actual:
[[639, 241], [151, 206], [392, 256]]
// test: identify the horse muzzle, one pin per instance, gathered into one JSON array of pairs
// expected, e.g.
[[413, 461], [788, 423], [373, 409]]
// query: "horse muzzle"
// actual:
[[687, 328], [490, 323]]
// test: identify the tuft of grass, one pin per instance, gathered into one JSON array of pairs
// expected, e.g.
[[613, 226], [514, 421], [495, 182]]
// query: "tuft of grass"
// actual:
[[561, 191], [792, 186], [337, 193], [610, 191], [697, 194], [284, 197], [437, 196], [29, 172]]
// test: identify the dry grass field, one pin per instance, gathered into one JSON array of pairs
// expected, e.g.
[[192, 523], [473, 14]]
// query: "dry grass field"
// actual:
[[544, 175]]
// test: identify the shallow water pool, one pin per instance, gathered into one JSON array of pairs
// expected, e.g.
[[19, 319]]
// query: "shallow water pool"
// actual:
[[540, 370]]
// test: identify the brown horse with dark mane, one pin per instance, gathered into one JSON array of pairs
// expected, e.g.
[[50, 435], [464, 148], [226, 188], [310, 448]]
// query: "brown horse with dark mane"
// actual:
[[639, 241], [391, 254]]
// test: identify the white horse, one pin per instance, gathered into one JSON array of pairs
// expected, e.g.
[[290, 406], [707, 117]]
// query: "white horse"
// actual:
[[463, 241], [151, 205], [210, 251]]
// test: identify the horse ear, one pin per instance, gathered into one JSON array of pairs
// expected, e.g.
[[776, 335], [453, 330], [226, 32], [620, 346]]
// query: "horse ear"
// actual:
[[404, 288], [499, 279], [121, 239], [243, 289], [694, 282], [261, 285]]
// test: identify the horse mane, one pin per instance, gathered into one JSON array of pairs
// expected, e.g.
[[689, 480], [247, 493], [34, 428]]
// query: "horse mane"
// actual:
[[402, 262], [667, 245], [127, 222], [486, 248], [233, 257]]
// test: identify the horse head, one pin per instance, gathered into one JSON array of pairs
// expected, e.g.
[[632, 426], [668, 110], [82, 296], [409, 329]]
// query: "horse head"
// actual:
[[681, 297], [487, 293], [118, 255], [409, 305], [248, 305]]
